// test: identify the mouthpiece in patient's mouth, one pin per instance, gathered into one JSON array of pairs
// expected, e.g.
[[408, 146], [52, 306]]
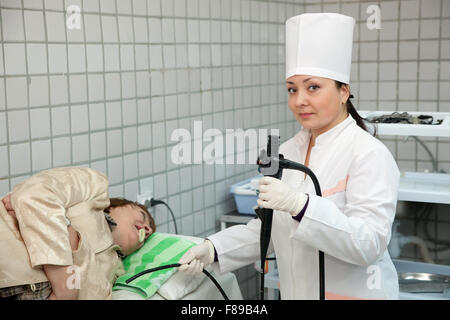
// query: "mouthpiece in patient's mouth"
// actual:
[[141, 235]]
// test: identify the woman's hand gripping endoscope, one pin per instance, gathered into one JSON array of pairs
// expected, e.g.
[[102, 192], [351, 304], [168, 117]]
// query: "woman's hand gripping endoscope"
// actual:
[[271, 163]]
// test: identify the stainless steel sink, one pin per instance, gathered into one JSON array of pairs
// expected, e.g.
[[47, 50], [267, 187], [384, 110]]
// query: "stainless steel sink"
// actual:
[[419, 280], [423, 282]]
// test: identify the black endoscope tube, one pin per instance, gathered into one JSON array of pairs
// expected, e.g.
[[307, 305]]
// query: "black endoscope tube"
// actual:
[[167, 266], [287, 164], [176, 265]]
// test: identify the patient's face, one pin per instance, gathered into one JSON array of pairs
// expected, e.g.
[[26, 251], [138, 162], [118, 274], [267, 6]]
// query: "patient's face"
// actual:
[[130, 219]]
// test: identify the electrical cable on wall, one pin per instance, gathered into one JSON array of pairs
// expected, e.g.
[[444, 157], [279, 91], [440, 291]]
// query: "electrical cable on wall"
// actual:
[[154, 202]]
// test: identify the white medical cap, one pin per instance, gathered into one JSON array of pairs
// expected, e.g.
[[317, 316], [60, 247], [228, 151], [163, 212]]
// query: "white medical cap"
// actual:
[[319, 44]]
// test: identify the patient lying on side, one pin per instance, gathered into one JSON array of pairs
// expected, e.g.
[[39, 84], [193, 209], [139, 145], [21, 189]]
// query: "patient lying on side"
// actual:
[[62, 237]]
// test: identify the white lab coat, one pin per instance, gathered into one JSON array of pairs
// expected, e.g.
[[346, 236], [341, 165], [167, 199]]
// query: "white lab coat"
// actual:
[[351, 223]]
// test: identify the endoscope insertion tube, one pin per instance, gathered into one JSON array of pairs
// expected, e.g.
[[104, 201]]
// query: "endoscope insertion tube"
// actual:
[[271, 163], [176, 265]]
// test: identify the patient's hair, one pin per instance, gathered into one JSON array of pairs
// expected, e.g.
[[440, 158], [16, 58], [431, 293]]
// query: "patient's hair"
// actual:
[[121, 202]]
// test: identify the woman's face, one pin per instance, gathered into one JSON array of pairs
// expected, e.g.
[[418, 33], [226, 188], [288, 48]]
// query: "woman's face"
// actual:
[[316, 102], [130, 219]]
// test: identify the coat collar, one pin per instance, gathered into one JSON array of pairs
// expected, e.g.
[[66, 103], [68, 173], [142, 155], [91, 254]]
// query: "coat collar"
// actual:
[[304, 135]]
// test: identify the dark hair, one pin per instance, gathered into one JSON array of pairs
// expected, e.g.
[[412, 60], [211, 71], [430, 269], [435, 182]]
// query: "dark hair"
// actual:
[[360, 121], [121, 202]]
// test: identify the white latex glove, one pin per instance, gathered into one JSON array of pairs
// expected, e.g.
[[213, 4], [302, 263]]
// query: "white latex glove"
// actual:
[[278, 195], [196, 258]]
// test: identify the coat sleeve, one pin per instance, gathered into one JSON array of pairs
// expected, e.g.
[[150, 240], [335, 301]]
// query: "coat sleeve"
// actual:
[[358, 234], [41, 202], [238, 246]]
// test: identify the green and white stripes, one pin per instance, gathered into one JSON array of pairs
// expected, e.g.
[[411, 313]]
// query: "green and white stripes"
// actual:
[[158, 250]]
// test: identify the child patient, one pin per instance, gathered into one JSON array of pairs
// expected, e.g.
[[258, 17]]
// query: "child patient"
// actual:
[[62, 237]]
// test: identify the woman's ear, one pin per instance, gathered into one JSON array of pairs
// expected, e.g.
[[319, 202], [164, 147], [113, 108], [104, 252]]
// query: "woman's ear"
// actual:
[[345, 93]]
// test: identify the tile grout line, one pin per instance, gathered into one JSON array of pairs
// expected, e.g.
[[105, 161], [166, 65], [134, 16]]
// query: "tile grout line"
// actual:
[[86, 78], [105, 111], [28, 80], [50, 109], [69, 96], [135, 105], [121, 97], [8, 147]]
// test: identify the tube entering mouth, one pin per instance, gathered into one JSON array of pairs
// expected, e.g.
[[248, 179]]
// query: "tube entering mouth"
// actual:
[[141, 235]]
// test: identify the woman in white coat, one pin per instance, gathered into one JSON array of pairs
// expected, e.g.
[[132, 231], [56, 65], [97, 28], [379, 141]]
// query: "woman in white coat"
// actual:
[[358, 176]]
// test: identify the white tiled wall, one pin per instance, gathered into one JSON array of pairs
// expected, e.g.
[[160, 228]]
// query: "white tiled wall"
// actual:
[[109, 95]]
